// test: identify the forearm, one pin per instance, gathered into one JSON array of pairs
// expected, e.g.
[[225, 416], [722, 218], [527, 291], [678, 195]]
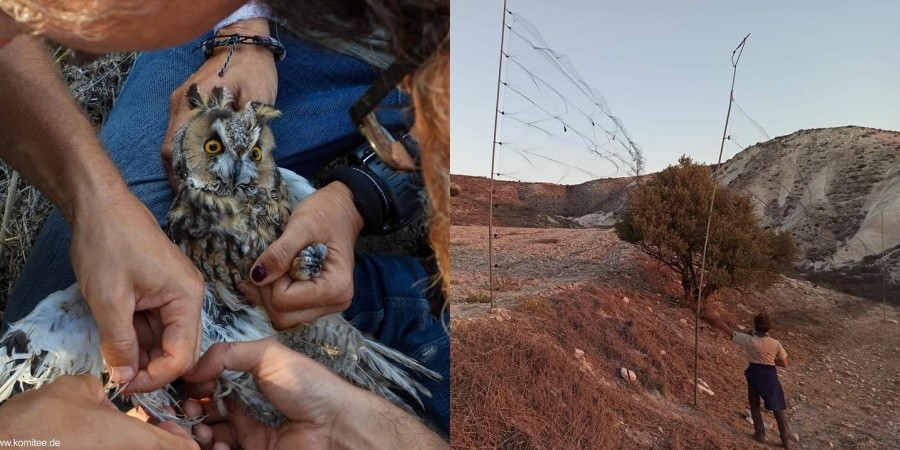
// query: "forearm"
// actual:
[[720, 325], [371, 422], [44, 134]]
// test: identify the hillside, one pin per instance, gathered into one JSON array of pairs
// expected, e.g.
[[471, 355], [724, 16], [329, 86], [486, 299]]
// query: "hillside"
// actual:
[[835, 190], [832, 188], [575, 305], [597, 203]]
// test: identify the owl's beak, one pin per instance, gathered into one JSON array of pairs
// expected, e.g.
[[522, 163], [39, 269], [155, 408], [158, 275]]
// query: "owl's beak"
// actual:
[[236, 171]]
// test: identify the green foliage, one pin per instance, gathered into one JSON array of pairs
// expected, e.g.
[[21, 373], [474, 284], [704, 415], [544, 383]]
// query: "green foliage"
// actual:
[[667, 220]]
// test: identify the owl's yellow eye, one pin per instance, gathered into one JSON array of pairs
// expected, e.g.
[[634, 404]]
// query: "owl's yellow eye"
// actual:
[[256, 153], [213, 147]]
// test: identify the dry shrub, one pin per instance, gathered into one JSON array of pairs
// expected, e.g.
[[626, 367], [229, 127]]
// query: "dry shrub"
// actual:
[[478, 297], [532, 304], [512, 388]]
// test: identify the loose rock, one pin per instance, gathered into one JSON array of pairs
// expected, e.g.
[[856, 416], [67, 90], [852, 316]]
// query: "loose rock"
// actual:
[[627, 375]]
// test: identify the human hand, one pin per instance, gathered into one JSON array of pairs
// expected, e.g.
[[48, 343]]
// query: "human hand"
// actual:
[[69, 406], [305, 392], [124, 264], [323, 411], [327, 216], [251, 76]]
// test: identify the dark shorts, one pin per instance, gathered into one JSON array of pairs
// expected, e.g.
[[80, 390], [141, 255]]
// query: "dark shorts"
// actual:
[[762, 381]]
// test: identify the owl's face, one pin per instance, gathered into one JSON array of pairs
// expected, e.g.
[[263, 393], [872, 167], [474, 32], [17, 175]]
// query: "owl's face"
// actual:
[[223, 151]]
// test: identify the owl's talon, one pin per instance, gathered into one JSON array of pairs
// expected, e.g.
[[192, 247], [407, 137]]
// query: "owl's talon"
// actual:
[[310, 263]]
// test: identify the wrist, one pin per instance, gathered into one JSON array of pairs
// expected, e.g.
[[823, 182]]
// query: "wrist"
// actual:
[[343, 199], [258, 26], [250, 10], [88, 184], [250, 27], [369, 421], [99, 198]]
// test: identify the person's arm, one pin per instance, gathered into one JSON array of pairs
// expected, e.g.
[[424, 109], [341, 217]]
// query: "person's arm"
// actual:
[[45, 136], [324, 411], [781, 356], [718, 323], [165, 24], [122, 259]]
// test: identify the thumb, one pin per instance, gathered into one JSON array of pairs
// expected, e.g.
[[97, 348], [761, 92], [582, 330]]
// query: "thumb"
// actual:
[[236, 356], [277, 259], [118, 344]]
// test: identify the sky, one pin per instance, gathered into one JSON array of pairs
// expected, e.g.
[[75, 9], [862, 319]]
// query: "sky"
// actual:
[[664, 68]]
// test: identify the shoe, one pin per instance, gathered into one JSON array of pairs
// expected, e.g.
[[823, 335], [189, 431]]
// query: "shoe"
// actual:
[[786, 442]]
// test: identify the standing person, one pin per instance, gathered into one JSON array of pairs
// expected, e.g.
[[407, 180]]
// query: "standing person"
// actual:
[[763, 354]]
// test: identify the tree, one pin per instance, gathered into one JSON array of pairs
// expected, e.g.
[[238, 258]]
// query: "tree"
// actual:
[[667, 220]]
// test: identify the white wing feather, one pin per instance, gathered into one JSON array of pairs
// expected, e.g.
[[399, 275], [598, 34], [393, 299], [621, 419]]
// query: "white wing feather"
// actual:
[[297, 186]]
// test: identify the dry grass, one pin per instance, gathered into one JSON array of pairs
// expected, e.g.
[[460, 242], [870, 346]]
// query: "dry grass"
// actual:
[[94, 86], [517, 384]]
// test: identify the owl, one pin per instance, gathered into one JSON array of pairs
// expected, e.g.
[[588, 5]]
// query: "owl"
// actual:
[[231, 202]]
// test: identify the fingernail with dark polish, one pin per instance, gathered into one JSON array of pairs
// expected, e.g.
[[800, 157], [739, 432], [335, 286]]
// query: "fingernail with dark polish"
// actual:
[[258, 273]]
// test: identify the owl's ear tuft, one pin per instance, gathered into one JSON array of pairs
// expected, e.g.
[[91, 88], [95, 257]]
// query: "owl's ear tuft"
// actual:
[[221, 97], [195, 100], [264, 112]]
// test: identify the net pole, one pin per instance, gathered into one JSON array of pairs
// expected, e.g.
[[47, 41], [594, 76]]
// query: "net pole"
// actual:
[[494, 160], [735, 58]]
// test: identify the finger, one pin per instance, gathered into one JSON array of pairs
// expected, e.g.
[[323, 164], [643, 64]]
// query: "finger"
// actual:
[[286, 321], [82, 387], [251, 292], [261, 92], [179, 344], [236, 356], [179, 113], [279, 256], [200, 390], [148, 328], [203, 434], [250, 432], [333, 289], [192, 409], [274, 299], [213, 415], [169, 435], [287, 309], [206, 408], [118, 340]]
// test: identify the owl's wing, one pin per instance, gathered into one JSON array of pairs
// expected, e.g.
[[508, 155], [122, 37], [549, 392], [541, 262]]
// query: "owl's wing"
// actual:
[[58, 338], [297, 186]]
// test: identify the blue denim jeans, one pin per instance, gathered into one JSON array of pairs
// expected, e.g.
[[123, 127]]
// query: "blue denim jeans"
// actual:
[[315, 89]]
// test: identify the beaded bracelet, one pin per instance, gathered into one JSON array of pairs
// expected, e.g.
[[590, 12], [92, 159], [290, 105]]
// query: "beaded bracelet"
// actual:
[[233, 40]]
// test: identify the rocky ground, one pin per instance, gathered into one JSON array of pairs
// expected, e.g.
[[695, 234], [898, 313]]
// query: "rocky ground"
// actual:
[[574, 306]]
